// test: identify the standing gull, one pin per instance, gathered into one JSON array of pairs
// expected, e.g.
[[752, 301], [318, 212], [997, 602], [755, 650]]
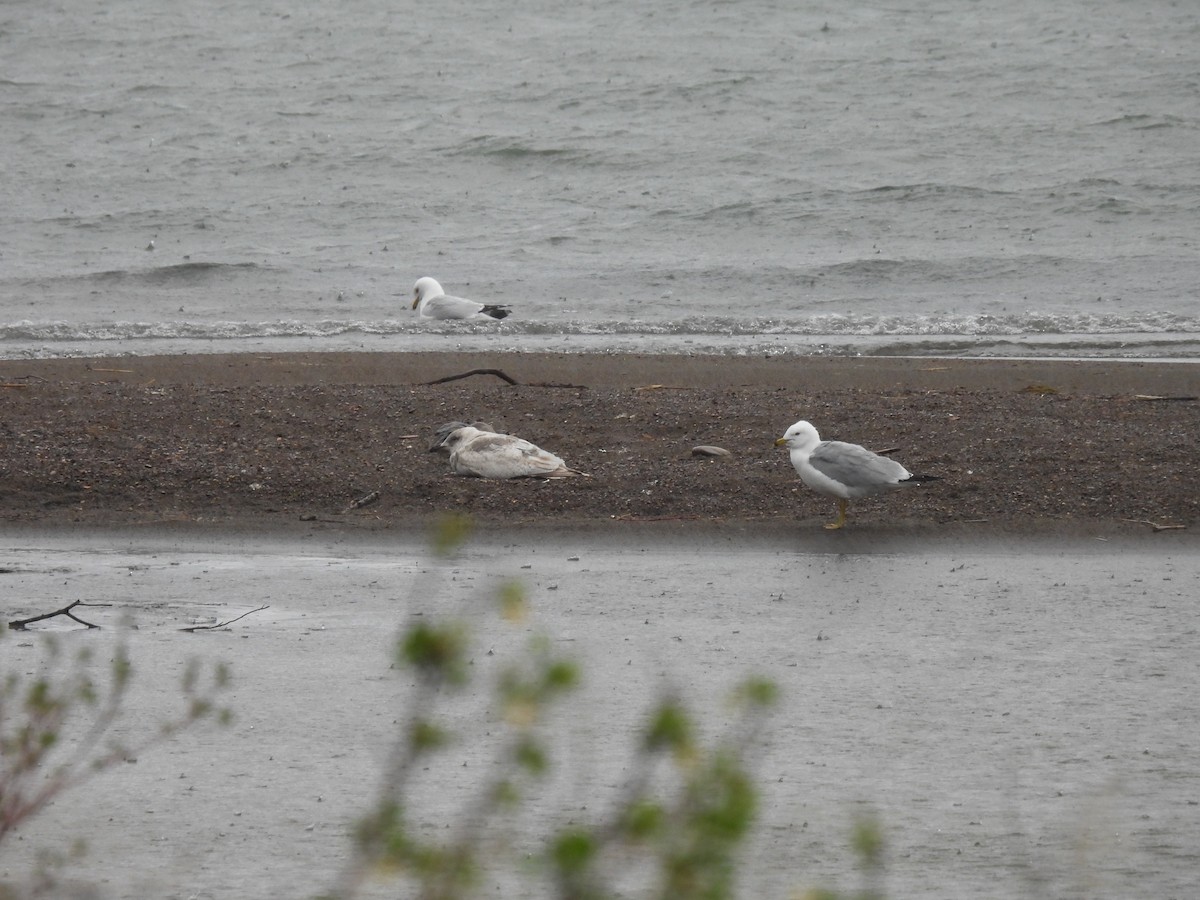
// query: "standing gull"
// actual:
[[431, 302], [487, 454], [843, 471]]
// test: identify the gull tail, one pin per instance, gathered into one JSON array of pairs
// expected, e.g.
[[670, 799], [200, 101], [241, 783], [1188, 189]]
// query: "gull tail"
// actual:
[[494, 311]]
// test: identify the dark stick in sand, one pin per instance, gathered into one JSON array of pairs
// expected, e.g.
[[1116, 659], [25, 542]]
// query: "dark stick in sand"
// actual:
[[499, 374], [503, 376]]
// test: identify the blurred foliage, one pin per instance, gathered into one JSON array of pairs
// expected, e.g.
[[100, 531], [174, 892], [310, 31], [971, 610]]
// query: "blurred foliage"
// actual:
[[56, 730], [680, 817]]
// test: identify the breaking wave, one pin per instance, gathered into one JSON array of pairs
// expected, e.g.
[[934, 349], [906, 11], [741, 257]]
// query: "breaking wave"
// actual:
[[1149, 335]]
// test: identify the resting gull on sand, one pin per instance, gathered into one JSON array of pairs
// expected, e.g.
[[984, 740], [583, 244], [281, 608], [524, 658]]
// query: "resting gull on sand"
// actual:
[[431, 302], [843, 471], [488, 454], [443, 431]]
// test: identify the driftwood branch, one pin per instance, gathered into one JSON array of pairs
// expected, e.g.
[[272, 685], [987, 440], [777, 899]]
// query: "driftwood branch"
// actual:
[[195, 628], [504, 376], [497, 372], [19, 624]]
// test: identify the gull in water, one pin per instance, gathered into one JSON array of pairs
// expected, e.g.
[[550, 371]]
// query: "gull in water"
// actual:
[[488, 454], [843, 471], [431, 302]]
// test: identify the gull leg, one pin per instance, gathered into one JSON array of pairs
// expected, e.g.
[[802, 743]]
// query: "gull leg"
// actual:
[[841, 519]]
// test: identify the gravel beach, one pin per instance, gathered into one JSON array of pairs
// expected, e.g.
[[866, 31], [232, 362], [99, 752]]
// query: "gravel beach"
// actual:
[[342, 439]]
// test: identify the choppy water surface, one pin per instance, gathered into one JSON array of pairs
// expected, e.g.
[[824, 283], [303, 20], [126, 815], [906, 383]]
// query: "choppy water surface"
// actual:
[[742, 177]]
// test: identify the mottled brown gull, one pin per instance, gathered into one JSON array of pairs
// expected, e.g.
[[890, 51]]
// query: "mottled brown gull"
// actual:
[[487, 454]]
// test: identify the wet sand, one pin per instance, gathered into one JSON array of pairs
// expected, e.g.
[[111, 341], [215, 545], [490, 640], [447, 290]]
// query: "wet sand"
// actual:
[[297, 439], [1019, 715]]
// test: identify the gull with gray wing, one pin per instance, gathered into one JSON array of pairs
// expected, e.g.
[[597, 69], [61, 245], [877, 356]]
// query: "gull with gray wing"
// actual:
[[431, 302], [843, 471]]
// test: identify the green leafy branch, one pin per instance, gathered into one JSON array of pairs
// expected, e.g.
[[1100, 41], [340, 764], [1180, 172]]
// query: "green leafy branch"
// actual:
[[438, 654], [691, 830]]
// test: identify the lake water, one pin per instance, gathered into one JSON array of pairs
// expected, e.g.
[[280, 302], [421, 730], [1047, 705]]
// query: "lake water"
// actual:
[[1020, 715], [936, 177]]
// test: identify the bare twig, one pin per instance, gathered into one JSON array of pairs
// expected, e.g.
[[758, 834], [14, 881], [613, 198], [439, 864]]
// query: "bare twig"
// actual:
[[196, 628], [29, 377], [1155, 525], [19, 624], [1156, 398]]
